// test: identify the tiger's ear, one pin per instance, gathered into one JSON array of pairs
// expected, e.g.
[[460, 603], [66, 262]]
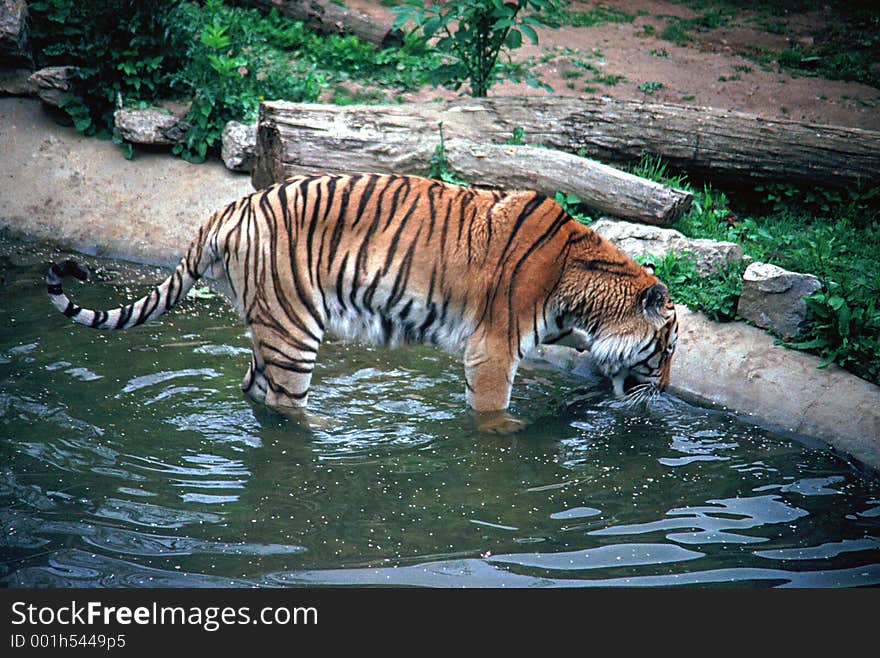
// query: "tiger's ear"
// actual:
[[654, 300], [649, 267]]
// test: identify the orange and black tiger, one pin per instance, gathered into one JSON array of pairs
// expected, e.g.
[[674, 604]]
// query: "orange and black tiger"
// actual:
[[396, 259]]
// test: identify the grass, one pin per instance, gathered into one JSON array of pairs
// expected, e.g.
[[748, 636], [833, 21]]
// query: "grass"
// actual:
[[598, 15], [649, 88], [677, 29], [343, 95], [845, 47], [832, 60], [675, 33], [609, 79], [599, 76]]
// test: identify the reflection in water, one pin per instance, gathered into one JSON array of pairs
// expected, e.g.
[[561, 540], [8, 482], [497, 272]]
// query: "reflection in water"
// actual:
[[713, 523], [132, 459]]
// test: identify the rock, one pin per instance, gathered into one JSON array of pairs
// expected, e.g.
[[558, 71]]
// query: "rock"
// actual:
[[637, 240], [773, 298], [150, 126], [53, 84], [13, 32], [239, 146], [15, 81]]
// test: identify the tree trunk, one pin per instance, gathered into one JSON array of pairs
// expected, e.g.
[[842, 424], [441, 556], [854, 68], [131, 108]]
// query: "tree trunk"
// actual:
[[724, 145], [328, 17], [301, 146]]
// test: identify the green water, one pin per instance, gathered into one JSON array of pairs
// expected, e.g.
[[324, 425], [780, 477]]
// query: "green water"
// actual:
[[133, 459]]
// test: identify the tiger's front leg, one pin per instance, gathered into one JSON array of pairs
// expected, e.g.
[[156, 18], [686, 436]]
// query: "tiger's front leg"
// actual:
[[489, 369]]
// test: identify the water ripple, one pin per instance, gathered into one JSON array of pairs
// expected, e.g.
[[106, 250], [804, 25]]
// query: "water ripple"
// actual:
[[481, 573], [823, 551], [618, 555], [143, 381], [807, 486], [135, 542], [76, 568], [713, 521], [155, 516]]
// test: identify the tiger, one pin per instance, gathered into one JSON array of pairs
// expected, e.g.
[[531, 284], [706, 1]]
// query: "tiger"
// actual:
[[387, 258]]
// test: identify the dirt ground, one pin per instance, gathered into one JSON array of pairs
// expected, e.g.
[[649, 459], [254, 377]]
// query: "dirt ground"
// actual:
[[711, 70]]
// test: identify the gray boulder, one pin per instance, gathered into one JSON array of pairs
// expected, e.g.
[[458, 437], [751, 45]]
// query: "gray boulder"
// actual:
[[638, 240], [150, 126], [13, 32], [239, 146], [773, 298], [15, 81], [53, 84]]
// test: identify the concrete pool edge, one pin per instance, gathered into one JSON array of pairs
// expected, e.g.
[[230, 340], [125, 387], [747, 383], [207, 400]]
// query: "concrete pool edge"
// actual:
[[80, 193]]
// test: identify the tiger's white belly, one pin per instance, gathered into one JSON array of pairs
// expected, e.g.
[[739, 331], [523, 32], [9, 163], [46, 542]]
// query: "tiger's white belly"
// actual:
[[391, 329]]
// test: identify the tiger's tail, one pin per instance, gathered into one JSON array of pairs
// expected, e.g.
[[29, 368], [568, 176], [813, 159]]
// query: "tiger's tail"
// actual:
[[155, 303]]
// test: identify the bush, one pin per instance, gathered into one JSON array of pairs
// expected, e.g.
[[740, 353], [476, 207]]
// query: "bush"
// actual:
[[473, 34], [228, 69], [225, 59], [118, 46]]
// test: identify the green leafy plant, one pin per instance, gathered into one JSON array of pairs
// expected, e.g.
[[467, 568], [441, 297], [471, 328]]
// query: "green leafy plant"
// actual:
[[517, 138], [833, 234], [575, 207], [223, 59], [716, 295], [118, 48], [341, 58], [440, 165], [650, 87], [844, 328], [473, 35], [228, 72]]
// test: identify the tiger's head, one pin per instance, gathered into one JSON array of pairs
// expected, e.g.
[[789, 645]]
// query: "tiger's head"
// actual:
[[626, 317]]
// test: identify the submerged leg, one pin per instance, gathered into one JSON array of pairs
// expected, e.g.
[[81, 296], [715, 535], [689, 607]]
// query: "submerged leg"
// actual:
[[281, 369], [489, 370], [254, 382]]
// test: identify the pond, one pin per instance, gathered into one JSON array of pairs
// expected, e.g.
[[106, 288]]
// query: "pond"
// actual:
[[133, 459]]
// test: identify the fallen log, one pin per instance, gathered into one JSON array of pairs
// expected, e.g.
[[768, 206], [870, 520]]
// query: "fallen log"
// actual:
[[327, 17], [725, 145], [288, 149]]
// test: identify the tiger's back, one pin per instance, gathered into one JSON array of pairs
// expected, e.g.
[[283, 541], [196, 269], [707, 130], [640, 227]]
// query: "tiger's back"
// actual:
[[391, 259]]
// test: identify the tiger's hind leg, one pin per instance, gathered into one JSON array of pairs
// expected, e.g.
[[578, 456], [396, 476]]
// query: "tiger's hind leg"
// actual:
[[254, 382], [281, 368]]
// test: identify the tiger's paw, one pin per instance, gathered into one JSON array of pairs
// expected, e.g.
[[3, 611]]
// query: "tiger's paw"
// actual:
[[305, 418], [498, 422]]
